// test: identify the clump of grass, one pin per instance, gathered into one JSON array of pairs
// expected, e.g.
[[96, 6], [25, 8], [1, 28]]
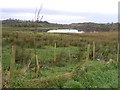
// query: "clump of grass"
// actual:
[[47, 82], [72, 84]]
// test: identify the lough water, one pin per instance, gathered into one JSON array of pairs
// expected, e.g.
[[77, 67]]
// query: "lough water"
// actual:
[[65, 31]]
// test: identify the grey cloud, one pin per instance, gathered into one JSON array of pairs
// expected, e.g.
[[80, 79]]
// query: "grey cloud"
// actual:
[[96, 17]]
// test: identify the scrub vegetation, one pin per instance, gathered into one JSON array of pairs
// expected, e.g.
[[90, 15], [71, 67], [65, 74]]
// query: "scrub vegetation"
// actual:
[[88, 60]]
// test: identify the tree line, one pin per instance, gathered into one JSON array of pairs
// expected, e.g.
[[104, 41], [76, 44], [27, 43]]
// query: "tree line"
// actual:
[[87, 27]]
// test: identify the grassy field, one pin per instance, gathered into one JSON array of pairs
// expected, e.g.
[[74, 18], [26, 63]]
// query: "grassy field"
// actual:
[[74, 65]]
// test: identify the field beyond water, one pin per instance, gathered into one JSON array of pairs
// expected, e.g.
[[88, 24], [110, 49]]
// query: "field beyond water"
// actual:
[[86, 60]]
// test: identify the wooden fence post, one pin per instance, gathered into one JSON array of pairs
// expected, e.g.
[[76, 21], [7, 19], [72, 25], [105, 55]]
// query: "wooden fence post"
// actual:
[[118, 52], [93, 50], [55, 53], [69, 55], [1, 73], [0, 55], [88, 52], [12, 64], [37, 64], [44, 56]]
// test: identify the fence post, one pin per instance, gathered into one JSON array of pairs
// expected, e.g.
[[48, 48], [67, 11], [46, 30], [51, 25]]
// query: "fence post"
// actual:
[[1, 56], [12, 64], [55, 53], [88, 52], [93, 50], [69, 55], [37, 64], [118, 52], [44, 56], [1, 72]]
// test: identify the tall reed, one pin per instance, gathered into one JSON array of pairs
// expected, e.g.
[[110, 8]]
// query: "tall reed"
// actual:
[[37, 15]]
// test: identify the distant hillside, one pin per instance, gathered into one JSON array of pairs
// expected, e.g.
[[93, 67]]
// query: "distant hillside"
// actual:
[[88, 27], [45, 26], [21, 23]]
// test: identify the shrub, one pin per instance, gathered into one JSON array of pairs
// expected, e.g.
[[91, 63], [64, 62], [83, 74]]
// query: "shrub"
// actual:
[[61, 58], [23, 55]]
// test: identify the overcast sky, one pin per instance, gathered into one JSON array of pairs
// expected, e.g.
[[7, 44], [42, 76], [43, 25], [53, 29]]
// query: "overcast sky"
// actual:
[[62, 11]]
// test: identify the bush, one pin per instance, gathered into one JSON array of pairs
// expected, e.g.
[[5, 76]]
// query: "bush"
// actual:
[[23, 55], [61, 58]]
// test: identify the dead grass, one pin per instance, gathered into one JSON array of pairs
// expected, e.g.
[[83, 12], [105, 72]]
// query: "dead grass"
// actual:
[[67, 75], [50, 81]]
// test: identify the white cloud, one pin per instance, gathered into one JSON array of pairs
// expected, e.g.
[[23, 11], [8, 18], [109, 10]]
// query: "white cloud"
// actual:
[[103, 6]]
